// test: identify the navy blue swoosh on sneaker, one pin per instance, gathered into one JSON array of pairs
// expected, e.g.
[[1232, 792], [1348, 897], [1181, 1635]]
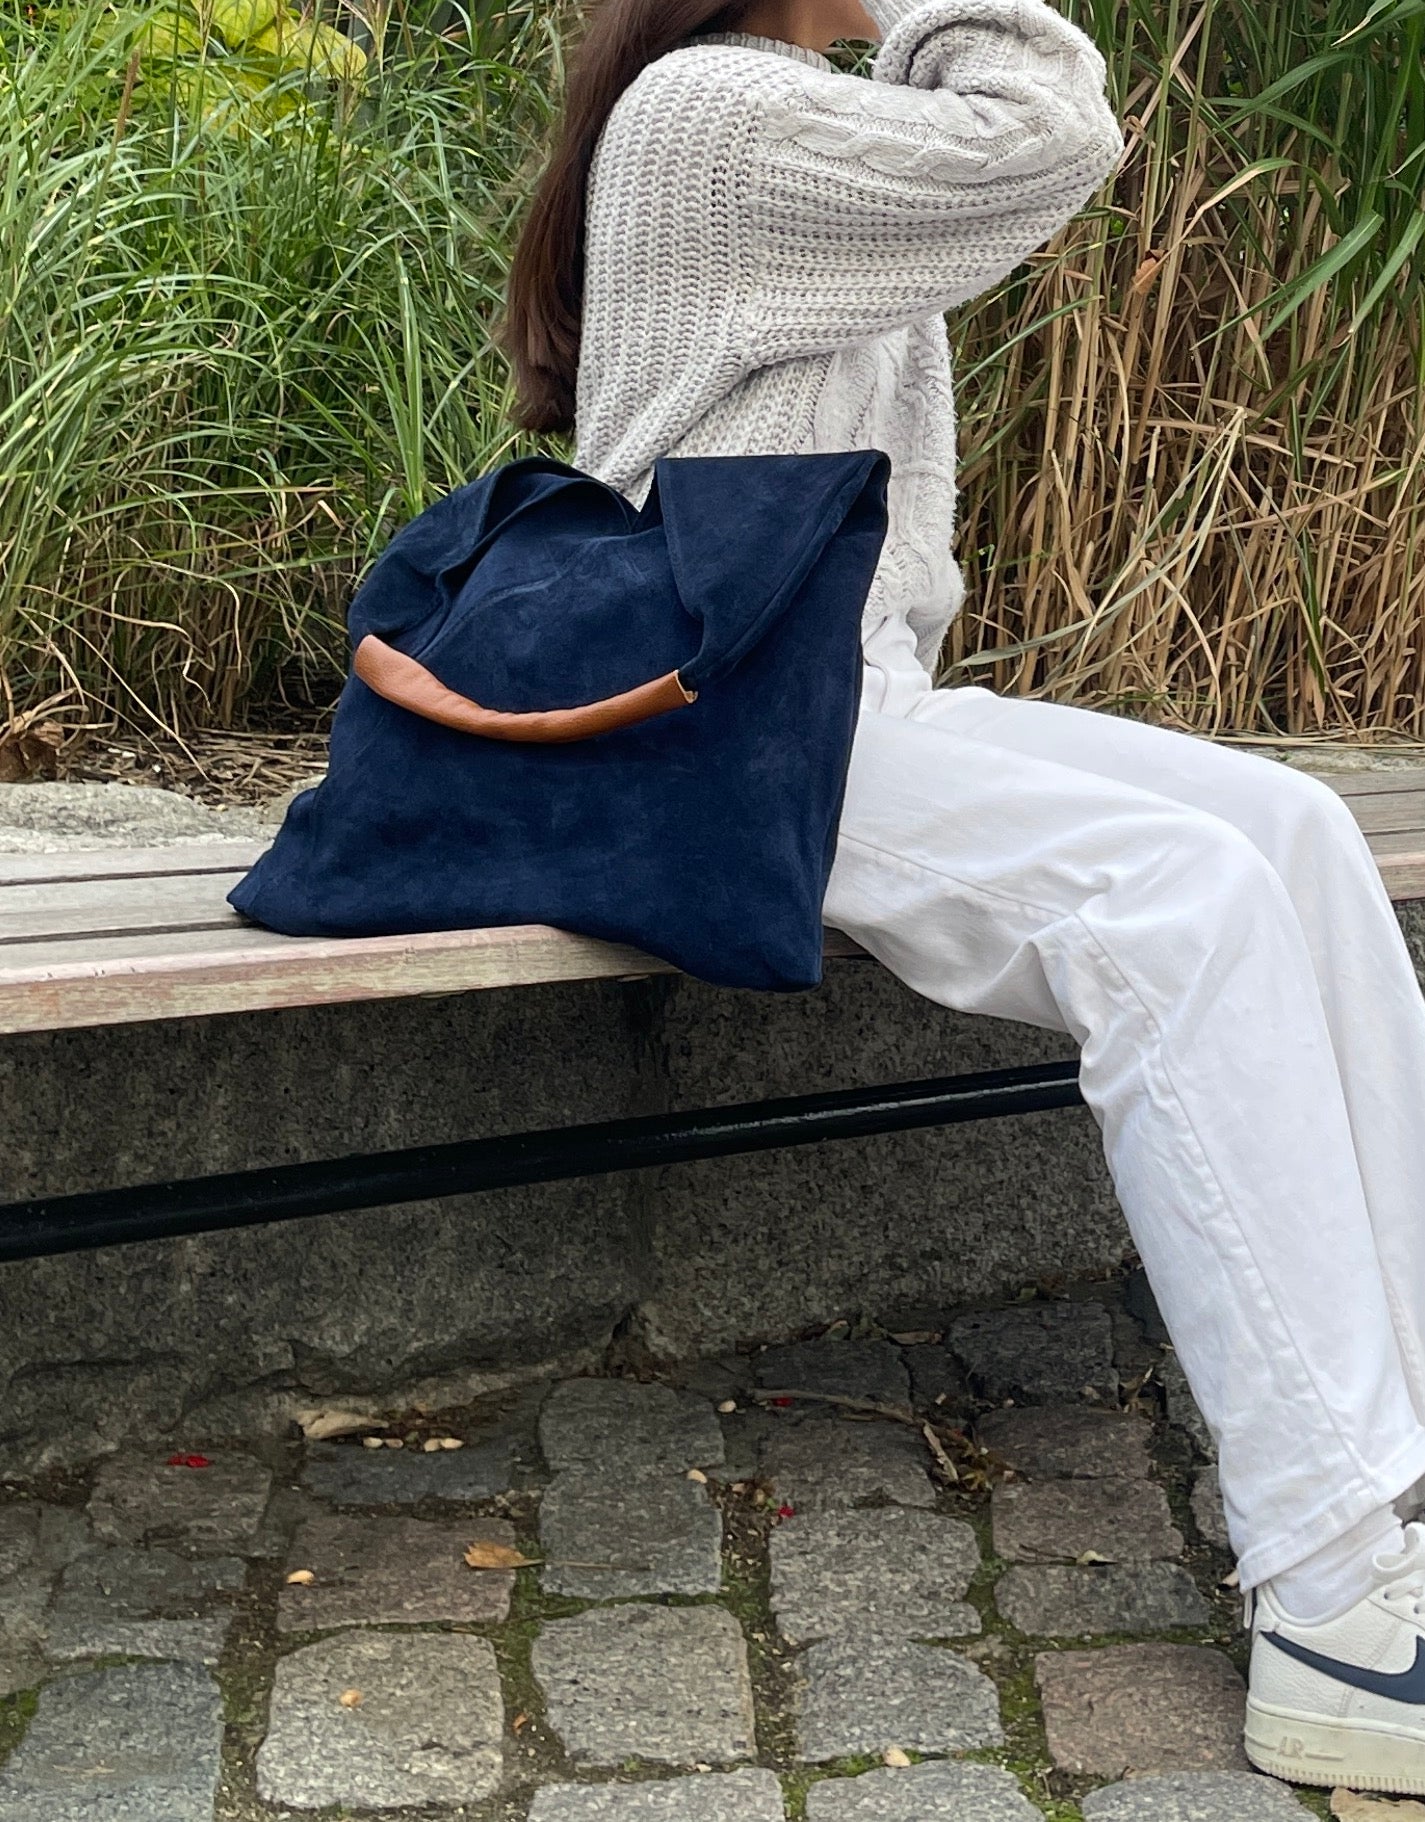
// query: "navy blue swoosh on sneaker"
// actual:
[[1397, 1685]]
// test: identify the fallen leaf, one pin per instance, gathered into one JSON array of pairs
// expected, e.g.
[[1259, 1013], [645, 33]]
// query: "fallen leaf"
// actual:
[[392, 1442], [1346, 1806], [452, 1442], [189, 1461], [29, 752], [373, 1442], [785, 1511], [350, 1698], [520, 1722], [1092, 1556], [301, 1578], [698, 1475], [894, 1756], [431, 1446], [483, 1555], [319, 1422], [728, 1404]]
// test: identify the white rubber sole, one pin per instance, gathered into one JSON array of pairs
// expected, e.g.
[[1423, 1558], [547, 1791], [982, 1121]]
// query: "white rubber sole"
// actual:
[[1313, 1749]]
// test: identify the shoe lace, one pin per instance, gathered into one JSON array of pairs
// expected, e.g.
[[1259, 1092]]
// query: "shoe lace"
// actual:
[[1401, 1573]]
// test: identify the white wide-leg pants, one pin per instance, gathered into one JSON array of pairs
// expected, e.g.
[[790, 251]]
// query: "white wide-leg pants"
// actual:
[[1212, 929]]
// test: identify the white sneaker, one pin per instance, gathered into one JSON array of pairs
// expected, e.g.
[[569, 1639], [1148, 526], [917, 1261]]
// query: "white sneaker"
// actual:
[[1343, 1702]]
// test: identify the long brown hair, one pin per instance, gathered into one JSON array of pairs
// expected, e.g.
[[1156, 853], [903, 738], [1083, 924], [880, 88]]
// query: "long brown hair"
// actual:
[[539, 329]]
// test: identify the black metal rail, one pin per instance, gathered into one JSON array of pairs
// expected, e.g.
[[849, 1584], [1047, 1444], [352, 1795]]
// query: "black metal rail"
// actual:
[[288, 1192]]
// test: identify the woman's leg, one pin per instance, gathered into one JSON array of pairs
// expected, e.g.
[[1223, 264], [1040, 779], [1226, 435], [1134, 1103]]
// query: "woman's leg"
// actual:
[[1371, 997], [1159, 935]]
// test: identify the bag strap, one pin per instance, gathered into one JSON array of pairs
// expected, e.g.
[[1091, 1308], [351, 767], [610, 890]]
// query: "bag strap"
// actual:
[[406, 682]]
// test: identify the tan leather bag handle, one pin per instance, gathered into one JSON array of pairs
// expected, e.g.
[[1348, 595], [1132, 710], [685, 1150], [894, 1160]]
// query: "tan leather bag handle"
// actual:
[[406, 682]]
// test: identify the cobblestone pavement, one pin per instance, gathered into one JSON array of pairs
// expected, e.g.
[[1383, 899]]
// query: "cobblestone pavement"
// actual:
[[950, 1566]]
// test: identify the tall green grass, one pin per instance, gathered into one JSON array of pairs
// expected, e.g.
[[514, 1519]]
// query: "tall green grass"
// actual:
[[231, 358], [234, 356]]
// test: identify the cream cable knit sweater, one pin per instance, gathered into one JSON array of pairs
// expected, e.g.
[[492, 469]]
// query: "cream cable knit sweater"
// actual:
[[772, 245]]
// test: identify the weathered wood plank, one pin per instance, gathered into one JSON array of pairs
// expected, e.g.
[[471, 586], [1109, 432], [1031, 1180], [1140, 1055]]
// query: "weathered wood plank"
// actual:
[[1369, 783], [120, 981], [129, 863], [1390, 813], [108, 907], [115, 937]]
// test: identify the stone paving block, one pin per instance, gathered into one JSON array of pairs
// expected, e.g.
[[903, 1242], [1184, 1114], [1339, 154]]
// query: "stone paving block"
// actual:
[[1074, 1442], [937, 1380], [667, 1684], [35, 1535], [722, 1796], [1182, 1406], [662, 1529], [1126, 1521], [933, 1792], [143, 1603], [846, 1369], [138, 1743], [818, 1463], [1207, 1511], [863, 1695], [884, 1570], [1194, 1796], [392, 1571], [428, 1727], [1055, 1600], [1126, 1709], [614, 1425], [349, 1475], [1037, 1353], [139, 1499]]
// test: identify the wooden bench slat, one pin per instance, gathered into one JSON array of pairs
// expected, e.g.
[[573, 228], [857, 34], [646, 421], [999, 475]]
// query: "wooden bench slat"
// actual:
[[122, 980], [1368, 783], [129, 863], [116, 936], [108, 907]]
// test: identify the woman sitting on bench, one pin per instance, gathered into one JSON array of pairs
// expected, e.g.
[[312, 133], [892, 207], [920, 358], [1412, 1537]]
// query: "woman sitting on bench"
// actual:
[[737, 248]]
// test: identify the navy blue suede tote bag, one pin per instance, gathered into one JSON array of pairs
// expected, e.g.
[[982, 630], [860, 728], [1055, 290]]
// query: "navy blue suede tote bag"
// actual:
[[634, 724]]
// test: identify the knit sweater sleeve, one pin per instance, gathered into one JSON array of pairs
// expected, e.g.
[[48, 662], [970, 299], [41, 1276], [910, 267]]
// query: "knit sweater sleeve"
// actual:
[[983, 129]]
